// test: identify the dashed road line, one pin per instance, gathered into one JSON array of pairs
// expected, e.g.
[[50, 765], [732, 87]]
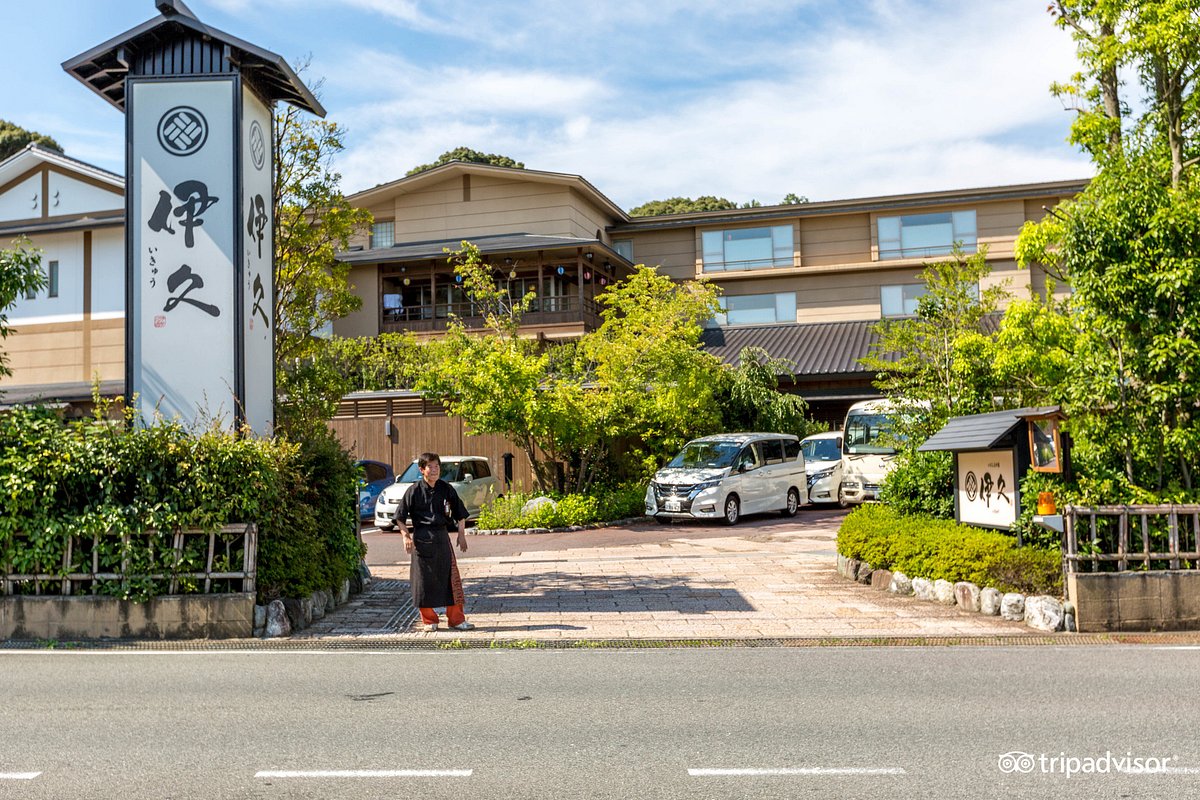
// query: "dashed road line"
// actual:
[[763, 772], [18, 776], [365, 773]]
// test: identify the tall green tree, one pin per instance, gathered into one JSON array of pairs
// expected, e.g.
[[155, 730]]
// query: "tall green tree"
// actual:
[[14, 138], [20, 273], [313, 222], [1128, 243], [682, 205], [937, 364], [469, 156]]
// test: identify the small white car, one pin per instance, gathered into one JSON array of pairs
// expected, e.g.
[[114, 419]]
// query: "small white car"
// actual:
[[728, 475], [823, 462], [471, 477]]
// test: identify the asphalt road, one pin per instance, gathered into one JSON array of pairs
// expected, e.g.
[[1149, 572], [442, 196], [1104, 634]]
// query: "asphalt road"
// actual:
[[744, 723]]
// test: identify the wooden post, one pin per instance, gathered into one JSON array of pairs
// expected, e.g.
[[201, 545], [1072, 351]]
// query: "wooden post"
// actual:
[[1123, 539], [579, 276], [1173, 521]]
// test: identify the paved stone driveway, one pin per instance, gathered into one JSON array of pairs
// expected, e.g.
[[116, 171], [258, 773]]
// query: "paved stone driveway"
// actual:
[[775, 579]]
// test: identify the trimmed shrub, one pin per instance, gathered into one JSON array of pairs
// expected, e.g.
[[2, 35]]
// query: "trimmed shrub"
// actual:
[[570, 509], [62, 480], [922, 546], [921, 483]]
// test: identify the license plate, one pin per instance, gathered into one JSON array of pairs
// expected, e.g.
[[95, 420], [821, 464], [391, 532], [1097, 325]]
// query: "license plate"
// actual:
[[671, 505]]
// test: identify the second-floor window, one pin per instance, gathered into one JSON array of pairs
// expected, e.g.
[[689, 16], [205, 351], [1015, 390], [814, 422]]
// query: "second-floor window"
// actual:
[[901, 300], [624, 248], [383, 234], [747, 248], [52, 279], [923, 235], [757, 309]]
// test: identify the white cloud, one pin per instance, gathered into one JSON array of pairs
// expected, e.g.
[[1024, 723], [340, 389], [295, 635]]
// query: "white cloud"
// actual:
[[916, 97]]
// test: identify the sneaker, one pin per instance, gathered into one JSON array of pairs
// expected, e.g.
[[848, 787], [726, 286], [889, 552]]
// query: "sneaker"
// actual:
[[463, 626], [429, 627]]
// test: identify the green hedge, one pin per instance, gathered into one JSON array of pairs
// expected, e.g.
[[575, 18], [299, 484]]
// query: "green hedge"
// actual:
[[922, 546], [603, 505], [61, 480]]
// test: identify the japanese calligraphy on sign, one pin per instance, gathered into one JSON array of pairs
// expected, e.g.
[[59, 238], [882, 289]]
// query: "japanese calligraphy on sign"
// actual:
[[184, 222], [986, 494]]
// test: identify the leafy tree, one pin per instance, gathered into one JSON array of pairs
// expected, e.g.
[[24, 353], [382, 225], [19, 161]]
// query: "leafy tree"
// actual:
[[640, 379], [14, 138], [750, 400], [682, 205], [1127, 244], [793, 199], [938, 364], [313, 222], [20, 273], [469, 156]]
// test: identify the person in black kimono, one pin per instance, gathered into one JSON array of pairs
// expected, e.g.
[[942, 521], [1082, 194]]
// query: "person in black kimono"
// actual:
[[436, 510]]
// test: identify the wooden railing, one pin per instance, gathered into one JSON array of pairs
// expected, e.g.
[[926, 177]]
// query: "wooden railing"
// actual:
[[1114, 537], [434, 316], [229, 557]]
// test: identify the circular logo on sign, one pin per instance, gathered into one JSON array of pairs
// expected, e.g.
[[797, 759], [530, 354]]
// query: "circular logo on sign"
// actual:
[[972, 486], [258, 145], [182, 131]]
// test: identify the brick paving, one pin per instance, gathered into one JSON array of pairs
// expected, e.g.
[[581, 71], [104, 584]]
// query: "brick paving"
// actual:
[[775, 580]]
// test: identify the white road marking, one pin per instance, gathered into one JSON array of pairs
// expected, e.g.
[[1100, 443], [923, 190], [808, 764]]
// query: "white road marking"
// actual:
[[1181, 770], [740, 773], [365, 773], [1177, 647], [18, 776]]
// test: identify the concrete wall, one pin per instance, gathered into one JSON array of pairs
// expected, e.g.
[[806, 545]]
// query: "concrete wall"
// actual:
[[212, 616], [1161, 600]]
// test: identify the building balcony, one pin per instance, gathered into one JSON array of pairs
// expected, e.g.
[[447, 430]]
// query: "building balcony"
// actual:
[[565, 313]]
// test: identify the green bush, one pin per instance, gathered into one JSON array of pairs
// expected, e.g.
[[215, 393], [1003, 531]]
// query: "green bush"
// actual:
[[922, 546], [571, 509], [63, 480], [921, 483]]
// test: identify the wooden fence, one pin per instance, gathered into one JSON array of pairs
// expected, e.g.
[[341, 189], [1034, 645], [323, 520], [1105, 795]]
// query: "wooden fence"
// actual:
[[1111, 538], [230, 557]]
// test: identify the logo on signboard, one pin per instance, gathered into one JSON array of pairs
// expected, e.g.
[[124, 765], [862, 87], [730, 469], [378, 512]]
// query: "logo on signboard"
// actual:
[[182, 131], [258, 145], [972, 486]]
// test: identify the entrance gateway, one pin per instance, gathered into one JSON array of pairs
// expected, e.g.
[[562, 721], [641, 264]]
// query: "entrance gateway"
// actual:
[[199, 215]]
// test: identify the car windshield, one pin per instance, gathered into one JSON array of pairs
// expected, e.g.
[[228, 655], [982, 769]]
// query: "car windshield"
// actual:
[[706, 455], [863, 433], [413, 474], [820, 450]]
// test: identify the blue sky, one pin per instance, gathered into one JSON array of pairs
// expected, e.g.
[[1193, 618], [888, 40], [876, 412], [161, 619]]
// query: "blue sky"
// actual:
[[646, 100]]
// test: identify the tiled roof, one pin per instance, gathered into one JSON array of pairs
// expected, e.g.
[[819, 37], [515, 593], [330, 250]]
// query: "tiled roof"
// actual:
[[820, 348], [500, 243]]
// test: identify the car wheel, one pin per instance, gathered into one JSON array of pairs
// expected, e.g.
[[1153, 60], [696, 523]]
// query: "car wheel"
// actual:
[[842, 501], [793, 503], [733, 510]]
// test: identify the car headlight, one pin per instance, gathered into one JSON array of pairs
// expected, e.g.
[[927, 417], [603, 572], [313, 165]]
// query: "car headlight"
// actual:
[[850, 484], [823, 473], [705, 485]]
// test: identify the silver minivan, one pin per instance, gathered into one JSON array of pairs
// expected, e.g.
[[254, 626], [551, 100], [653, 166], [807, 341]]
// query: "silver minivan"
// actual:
[[730, 474]]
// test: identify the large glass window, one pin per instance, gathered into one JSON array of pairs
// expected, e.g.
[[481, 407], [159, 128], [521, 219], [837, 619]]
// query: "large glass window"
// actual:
[[624, 248], [757, 309], [901, 300], [383, 234], [747, 248], [921, 235]]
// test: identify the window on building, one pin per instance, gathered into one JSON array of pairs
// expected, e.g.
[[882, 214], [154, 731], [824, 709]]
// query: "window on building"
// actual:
[[901, 300], [383, 234], [31, 294], [921, 235], [52, 279], [757, 309], [624, 248], [747, 248]]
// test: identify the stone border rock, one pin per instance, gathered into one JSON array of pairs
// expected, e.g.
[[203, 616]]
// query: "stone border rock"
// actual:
[[1041, 612], [569, 529], [280, 618]]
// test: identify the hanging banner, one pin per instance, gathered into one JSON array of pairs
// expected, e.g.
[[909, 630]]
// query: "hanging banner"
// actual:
[[258, 279], [182, 214]]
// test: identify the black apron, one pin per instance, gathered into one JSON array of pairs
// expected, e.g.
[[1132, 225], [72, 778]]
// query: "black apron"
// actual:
[[431, 568]]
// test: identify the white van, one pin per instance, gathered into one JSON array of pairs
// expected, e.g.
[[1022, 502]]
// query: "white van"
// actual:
[[730, 474]]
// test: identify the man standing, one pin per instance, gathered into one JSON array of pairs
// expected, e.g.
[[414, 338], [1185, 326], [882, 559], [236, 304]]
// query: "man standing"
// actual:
[[435, 509]]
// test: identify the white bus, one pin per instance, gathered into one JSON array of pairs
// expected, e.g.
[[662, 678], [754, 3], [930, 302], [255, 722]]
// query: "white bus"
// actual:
[[866, 460]]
